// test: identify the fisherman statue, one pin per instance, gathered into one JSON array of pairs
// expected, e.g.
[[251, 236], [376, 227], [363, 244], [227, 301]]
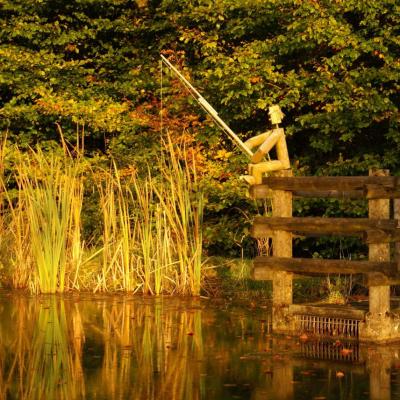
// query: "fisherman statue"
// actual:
[[265, 142]]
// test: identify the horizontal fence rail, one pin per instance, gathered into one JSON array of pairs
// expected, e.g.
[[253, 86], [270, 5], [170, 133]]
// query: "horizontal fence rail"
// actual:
[[354, 187], [371, 230], [318, 266]]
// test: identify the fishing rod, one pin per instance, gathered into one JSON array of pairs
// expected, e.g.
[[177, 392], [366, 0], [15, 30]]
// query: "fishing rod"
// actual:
[[207, 107]]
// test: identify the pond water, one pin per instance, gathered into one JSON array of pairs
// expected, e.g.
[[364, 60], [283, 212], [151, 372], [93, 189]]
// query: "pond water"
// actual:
[[109, 347]]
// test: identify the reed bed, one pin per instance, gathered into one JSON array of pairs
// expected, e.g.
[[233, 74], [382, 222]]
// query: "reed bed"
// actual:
[[51, 199], [182, 202], [150, 241]]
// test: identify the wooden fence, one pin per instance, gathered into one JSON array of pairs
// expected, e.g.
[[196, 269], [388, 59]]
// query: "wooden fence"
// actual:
[[379, 230]]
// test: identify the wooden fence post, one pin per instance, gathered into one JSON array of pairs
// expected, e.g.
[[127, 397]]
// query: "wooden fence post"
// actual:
[[282, 283], [379, 296], [380, 324], [396, 215]]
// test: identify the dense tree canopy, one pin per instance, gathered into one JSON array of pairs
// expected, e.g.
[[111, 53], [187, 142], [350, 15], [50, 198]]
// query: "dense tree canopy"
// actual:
[[333, 67]]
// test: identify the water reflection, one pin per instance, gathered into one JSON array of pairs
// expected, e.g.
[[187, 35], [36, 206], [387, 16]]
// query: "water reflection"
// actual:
[[146, 348]]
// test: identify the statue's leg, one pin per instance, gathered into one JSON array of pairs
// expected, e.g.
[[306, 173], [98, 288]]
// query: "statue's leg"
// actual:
[[282, 152], [257, 140], [256, 171], [267, 145]]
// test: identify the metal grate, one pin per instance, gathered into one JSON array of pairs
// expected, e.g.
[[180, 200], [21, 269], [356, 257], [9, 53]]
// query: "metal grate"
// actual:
[[330, 351], [326, 326]]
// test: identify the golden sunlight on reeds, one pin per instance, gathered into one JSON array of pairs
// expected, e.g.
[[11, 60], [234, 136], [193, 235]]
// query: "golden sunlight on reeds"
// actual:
[[150, 239], [52, 192]]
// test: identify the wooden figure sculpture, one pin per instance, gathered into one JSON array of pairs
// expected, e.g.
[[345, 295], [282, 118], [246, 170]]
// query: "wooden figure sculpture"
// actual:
[[266, 141]]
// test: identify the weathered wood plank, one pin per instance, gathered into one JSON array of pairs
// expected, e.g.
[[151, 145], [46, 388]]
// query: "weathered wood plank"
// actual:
[[327, 311], [354, 187], [330, 194], [309, 226], [379, 279], [381, 236], [374, 192], [270, 275], [265, 192], [264, 265], [396, 215], [340, 183]]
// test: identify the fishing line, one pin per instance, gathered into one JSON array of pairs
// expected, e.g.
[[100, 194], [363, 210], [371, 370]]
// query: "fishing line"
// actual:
[[161, 96], [206, 106]]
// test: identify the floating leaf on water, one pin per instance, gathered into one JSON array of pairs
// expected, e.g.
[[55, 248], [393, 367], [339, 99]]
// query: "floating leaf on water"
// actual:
[[306, 372]]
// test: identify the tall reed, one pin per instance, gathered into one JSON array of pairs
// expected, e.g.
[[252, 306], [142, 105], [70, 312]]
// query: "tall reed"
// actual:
[[152, 238], [118, 269], [14, 232], [18, 234], [182, 201], [52, 191], [150, 262]]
